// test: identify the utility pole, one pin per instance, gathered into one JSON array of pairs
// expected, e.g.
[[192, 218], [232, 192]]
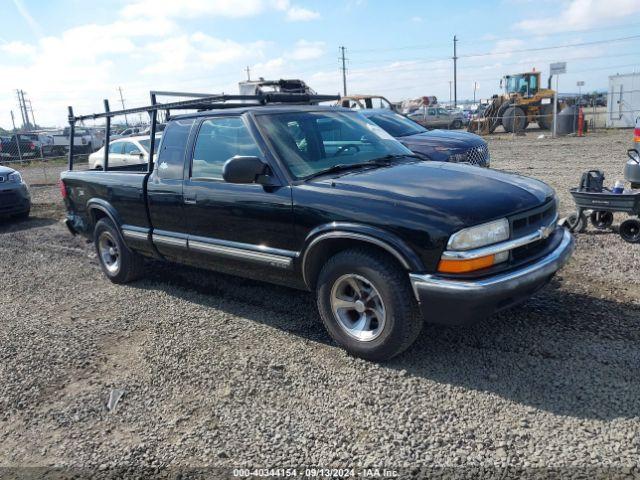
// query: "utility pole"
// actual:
[[475, 87], [26, 112], [13, 122], [344, 73], [126, 120], [455, 71], [24, 121], [248, 70], [33, 117], [450, 98]]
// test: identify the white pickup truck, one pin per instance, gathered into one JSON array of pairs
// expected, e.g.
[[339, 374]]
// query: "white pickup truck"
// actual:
[[86, 140]]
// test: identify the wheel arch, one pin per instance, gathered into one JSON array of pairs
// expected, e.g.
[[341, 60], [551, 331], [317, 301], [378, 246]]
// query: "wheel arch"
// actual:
[[98, 209], [330, 239]]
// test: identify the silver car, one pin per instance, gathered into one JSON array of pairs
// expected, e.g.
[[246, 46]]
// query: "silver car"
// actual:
[[437, 117]]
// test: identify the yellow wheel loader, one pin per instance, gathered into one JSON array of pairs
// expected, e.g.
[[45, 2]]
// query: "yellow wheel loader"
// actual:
[[524, 101]]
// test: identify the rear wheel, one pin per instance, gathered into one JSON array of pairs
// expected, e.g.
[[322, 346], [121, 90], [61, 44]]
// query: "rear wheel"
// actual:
[[367, 305], [456, 124], [118, 262]]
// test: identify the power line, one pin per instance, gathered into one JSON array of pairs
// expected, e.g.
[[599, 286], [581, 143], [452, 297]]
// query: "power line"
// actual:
[[491, 40], [537, 49], [555, 34]]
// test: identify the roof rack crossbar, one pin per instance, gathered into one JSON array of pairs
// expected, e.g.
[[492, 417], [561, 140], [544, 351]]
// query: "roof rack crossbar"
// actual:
[[211, 102]]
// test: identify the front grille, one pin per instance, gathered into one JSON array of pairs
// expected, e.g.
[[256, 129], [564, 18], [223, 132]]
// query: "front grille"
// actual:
[[478, 156], [530, 222], [8, 198]]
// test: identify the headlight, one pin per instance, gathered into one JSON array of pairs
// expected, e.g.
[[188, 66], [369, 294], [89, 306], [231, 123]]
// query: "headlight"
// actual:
[[14, 177], [480, 235]]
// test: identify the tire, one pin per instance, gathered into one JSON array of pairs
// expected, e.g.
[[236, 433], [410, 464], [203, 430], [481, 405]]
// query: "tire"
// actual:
[[602, 220], [576, 224], [513, 119], [456, 124], [630, 230], [118, 262], [545, 120], [390, 311]]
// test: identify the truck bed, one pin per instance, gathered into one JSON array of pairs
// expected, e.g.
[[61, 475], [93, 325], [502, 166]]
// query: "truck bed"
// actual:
[[119, 193]]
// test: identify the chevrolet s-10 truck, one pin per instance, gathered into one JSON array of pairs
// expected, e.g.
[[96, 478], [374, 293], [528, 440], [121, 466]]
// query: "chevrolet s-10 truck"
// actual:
[[321, 198]]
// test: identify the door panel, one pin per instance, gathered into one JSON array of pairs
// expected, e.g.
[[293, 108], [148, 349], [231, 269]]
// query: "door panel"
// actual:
[[164, 191], [234, 220]]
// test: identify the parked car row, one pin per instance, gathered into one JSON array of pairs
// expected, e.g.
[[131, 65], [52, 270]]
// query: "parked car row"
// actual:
[[85, 140], [17, 147]]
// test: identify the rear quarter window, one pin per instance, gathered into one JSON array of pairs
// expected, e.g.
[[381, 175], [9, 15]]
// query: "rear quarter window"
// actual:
[[171, 157]]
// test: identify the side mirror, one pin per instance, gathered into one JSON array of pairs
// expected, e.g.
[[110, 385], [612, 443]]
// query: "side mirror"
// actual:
[[634, 155], [245, 170], [135, 152]]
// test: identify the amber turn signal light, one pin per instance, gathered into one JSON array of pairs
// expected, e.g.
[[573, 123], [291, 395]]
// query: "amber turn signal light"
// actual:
[[464, 266]]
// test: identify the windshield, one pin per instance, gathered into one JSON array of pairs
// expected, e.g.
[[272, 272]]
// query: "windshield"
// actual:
[[396, 125], [147, 142], [310, 142]]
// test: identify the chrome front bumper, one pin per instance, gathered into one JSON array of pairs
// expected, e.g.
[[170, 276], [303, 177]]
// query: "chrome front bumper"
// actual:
[[448, 301]]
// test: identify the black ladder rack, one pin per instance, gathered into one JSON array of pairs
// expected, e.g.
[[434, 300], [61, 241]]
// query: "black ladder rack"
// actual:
[[198, 101]]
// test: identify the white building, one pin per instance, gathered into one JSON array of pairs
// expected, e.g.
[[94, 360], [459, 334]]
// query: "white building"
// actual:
[[623, 102]]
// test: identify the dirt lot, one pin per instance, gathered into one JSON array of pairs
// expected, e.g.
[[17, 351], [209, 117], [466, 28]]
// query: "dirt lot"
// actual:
[[220, 371]]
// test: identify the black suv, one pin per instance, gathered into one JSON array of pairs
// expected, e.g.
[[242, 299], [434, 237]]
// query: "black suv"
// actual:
[[323, 199]]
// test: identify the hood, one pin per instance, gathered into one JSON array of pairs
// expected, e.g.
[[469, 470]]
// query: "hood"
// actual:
[[6, 170], [443, 138], [457, 194]]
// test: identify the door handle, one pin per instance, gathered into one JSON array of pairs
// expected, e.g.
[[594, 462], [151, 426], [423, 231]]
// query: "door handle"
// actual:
[[190, 200]]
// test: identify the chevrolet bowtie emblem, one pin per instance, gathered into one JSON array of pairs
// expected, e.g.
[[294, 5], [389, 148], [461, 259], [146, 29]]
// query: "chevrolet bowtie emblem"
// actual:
[[545, 231]]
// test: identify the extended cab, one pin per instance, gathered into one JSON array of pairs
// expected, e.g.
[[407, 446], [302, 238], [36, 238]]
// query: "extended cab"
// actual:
[[321, 198]]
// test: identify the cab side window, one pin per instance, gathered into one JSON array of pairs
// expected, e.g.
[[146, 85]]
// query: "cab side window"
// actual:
[[170, 163], [218, 140]]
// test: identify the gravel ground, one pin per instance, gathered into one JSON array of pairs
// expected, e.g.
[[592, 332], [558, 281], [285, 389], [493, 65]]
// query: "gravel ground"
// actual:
[[221, 371]]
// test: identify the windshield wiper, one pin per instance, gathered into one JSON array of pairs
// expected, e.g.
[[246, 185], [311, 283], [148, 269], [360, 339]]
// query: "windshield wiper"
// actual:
[[394, 156], [383, 161]]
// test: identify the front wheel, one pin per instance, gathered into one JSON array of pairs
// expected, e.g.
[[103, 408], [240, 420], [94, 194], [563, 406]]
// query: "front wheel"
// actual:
[[118, 262], [367, 305], [457, 124]]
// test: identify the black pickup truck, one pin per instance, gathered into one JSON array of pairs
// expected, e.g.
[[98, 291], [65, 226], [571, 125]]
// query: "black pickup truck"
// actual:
[[320, 198]]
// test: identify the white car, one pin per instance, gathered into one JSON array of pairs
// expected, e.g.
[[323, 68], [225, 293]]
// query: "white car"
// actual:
[[124, 152]]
